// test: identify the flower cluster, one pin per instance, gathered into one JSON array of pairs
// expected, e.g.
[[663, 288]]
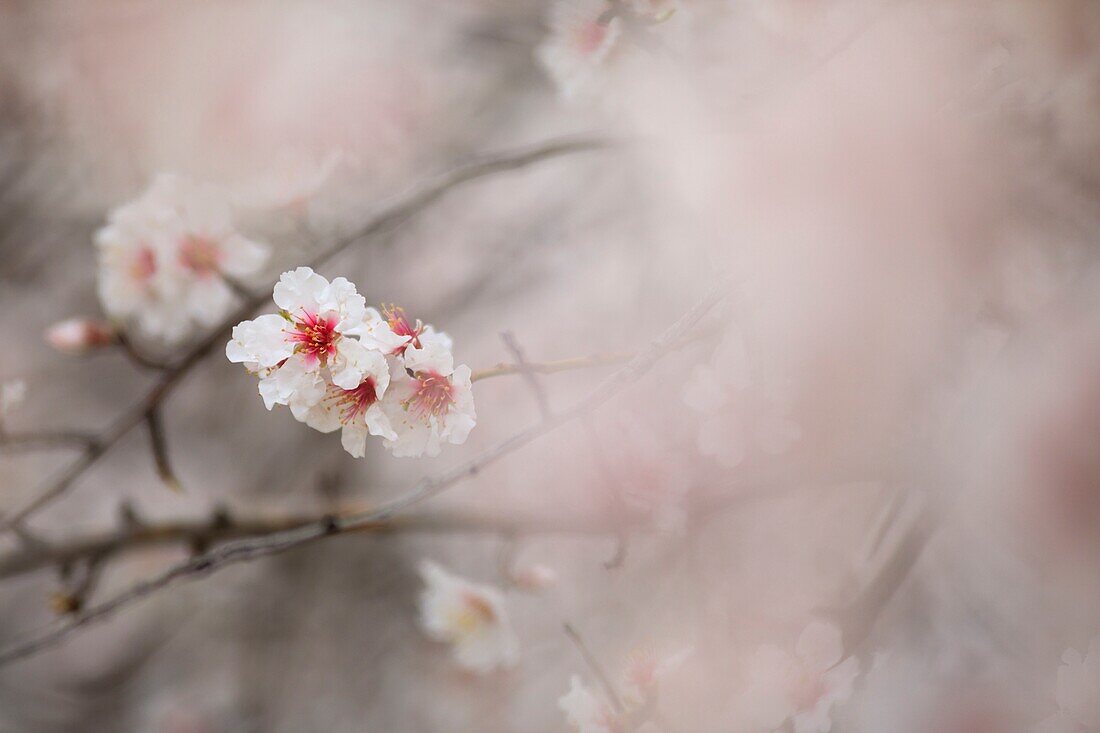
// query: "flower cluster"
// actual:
[[469, 617], [164, 257], [338, 364]]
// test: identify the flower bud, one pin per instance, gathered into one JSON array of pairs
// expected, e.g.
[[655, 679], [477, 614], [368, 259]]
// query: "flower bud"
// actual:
[[535, 577], [79, 335]]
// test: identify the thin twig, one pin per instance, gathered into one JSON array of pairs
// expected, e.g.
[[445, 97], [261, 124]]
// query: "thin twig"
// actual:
[[158, 444], [388, 218], [597, 669], [529, 377], [427, 488]]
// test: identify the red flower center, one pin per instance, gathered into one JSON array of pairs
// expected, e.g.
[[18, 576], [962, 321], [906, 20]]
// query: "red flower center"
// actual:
[[353, 403], [200, 255], [144, 264], [590, 36], [434, 395], [315, 336]]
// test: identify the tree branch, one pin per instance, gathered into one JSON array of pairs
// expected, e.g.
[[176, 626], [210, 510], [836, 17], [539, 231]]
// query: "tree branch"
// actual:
[[388, 218], [427, 488]]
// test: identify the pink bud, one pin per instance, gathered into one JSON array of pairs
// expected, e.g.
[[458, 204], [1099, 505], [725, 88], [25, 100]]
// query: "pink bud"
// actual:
[[535, 577], [79, 335]]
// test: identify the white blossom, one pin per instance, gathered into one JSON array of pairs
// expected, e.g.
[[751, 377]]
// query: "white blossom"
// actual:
[[79, 335], [1077, 693], [433, 406], [802, 687], [357, 411], [12, 393], [307, 345], [534, 577], [585, 712], [164, 256], [469, 617], [582, 35]]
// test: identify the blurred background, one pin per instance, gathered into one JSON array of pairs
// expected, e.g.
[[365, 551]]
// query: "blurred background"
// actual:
[[901, 389]]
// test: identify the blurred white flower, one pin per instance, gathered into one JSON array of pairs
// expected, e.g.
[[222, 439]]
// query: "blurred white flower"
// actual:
[[163, 258], [586, 713], [802, 687], [535, 577], [645, 668], [79, 335], [582, 35], [12, 393], [356, 411], [433, 406], [469, 617], [306, 344], [1077, 693], [742, 409]]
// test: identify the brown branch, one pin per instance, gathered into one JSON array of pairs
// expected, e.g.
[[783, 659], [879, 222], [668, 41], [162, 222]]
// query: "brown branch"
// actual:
[[223, 527], [388, 218], [158, 444], [427, 488]]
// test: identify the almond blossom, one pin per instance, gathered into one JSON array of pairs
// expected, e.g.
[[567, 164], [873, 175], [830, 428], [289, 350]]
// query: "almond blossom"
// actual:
[[357, 412], [308, 344], [469, 617], [802, 687], [434, 405], [582, 35], [1077, 693], [163, 258]]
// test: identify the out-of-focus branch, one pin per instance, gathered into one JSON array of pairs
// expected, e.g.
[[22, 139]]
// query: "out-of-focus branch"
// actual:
[[427, 488], [29, 442], [529, 377], [387, 218], [597, 669], [551, 367], [158, 443], [224, 527], [900, 556]]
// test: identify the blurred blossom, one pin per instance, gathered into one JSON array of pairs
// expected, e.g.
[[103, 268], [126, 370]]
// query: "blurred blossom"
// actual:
[[79, 335], [163, 258], [1077, 693], [585, 712], [12, 393], [469, 617], [583, 34], [802, 687], [744, 409], [536, 577]]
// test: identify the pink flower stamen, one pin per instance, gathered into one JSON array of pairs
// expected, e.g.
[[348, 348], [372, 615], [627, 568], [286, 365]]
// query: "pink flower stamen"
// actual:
[[399, 324], [434, 395], [315, 336], [200, 255]]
